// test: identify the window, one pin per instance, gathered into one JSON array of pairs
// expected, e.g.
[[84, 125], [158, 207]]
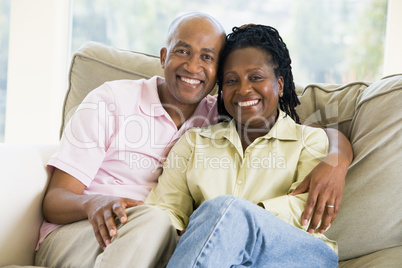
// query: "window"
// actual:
[[334, 41], [4, 33]]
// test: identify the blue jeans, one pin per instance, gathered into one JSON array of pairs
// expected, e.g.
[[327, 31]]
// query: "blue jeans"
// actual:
[[232, 232]]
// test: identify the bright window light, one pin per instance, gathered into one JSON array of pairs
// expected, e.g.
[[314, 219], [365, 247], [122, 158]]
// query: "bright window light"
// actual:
[[333, 41], [4, 34]]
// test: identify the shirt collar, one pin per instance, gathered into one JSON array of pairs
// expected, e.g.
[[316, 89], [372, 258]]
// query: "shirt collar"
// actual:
[[150, 103], [283, 129]]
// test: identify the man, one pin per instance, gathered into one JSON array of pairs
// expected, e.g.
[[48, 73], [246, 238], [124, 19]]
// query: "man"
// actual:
[[98, 188]]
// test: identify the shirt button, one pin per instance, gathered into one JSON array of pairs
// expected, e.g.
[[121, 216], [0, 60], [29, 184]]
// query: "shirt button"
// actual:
[[239, 181]]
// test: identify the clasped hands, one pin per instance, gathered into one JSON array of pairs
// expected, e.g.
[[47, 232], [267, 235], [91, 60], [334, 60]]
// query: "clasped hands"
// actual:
[[103, 212]]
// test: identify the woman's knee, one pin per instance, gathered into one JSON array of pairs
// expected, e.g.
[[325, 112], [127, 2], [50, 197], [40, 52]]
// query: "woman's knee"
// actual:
[[219, 202], [219, 206], [231, 206]]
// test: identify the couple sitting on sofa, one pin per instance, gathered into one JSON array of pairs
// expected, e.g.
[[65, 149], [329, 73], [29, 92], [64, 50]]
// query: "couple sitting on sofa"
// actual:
[[110, 158]]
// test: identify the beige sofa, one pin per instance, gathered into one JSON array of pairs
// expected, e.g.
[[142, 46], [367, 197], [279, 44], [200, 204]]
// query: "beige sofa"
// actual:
[[369, 225]]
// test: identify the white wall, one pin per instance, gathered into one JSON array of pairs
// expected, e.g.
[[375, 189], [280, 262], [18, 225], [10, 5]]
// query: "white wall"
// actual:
[[37, 70], [393, 40]]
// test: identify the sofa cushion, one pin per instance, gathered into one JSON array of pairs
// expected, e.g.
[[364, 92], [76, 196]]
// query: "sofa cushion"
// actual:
[[24, 177], [370, 217], [329, 105], [390, 258], [95, 63]]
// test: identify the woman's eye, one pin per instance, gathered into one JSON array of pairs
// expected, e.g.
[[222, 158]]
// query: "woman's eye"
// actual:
[[255, 78], [230, 81]]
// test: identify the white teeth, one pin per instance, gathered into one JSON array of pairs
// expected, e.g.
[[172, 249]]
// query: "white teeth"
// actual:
[[248, 103], [190, 81]]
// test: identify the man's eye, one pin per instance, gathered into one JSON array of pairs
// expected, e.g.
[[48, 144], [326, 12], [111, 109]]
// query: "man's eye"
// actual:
[[208, 57], [181, 51]]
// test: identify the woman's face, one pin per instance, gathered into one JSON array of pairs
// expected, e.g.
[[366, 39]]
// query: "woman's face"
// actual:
[[250, 88]]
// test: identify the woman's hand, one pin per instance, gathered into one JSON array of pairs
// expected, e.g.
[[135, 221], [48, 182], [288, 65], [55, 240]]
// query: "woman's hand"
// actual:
[[325, 183]]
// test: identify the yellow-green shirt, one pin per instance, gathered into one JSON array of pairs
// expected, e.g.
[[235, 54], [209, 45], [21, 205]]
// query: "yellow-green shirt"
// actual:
[[210, 162]]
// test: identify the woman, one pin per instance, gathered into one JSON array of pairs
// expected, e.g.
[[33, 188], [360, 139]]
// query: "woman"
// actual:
[[234, 178]]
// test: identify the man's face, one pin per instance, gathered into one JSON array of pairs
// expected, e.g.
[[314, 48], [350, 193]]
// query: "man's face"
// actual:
[[190, 61]]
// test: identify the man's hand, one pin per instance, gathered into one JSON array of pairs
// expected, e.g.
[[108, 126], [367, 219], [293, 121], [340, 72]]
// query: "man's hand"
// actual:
[[102, 212], [65, 203], [325, 184]]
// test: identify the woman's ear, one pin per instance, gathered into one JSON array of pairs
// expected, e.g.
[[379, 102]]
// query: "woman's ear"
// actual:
[[163, 54], [280, 86]]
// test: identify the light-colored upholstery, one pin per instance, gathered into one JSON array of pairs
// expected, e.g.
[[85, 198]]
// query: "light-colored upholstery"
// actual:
[[24, 177], [370, 115], [371, 214], [368, 227], [386, 258], [330, 105], [96, 63]]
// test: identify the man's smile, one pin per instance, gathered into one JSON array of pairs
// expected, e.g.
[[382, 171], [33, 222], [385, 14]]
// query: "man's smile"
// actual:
[[190, 81]]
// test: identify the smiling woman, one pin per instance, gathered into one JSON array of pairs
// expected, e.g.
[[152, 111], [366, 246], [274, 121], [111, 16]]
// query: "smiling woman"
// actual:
[[211, 204]]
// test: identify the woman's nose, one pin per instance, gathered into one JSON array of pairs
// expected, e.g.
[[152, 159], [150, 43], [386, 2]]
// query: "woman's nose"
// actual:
[[244, 88]]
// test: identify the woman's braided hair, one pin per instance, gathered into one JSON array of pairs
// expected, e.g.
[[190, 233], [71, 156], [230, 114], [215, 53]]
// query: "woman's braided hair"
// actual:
[[268, 39]]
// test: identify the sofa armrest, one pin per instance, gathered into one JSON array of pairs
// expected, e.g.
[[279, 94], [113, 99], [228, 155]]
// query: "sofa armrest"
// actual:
[[24, 178]]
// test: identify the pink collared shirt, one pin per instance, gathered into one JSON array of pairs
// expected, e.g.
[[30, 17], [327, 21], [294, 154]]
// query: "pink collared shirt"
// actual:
[[119, 137]]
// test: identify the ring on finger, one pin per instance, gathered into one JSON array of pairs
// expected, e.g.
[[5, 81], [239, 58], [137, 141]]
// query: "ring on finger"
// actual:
[[330, 206]]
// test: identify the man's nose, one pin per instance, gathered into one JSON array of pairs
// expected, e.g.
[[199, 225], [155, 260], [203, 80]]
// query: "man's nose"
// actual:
[[193, 65]]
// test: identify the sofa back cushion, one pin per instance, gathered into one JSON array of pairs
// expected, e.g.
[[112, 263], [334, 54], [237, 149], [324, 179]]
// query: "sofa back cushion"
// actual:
[[95, 63], [329, 105], [370, 218]]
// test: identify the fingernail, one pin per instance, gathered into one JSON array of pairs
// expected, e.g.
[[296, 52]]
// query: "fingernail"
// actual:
[[311, 230], [304, 222], [112, 232]]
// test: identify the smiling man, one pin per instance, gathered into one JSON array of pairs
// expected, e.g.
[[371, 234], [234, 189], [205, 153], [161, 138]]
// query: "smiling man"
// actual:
[[99, 190]]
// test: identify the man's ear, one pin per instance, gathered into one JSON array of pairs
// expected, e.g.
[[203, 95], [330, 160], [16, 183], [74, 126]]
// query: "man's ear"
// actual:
[[163, 54]]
